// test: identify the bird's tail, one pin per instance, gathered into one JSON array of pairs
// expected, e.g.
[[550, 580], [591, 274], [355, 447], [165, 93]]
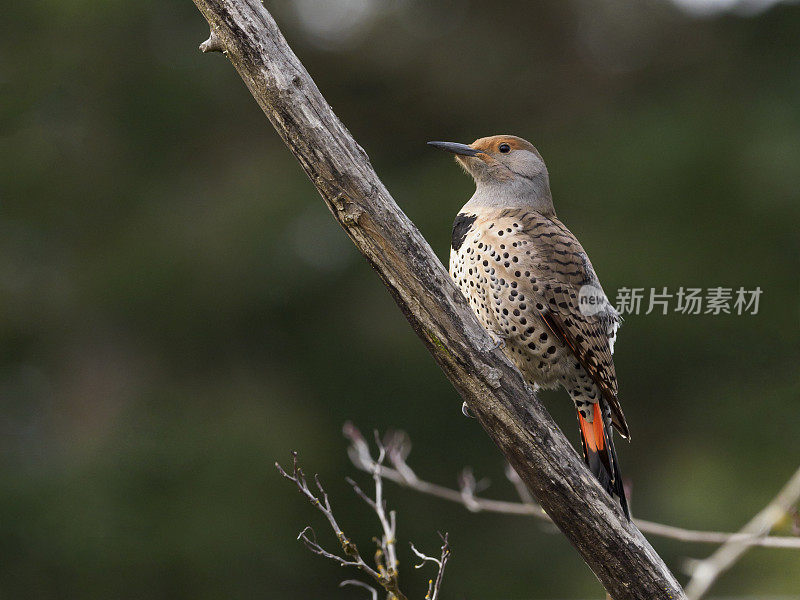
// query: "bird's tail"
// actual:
[[599, 454]]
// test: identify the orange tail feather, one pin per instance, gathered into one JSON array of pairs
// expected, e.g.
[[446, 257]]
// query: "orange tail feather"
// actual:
[[600, 455]]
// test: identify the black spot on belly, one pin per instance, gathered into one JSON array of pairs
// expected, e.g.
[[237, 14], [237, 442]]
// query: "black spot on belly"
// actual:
[[461, 227]]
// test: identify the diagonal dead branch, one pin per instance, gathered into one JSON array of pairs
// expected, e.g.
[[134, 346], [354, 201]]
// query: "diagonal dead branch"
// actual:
[[493, 388]]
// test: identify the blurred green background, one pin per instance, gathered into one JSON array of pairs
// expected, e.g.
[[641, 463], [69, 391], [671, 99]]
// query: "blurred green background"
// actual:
[[178, 310]]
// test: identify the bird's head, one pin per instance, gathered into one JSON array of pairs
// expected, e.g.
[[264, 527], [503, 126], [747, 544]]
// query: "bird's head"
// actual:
[[499, 158], [503, 165]]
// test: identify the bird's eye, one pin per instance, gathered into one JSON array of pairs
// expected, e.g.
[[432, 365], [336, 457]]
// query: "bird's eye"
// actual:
[[504, 148]]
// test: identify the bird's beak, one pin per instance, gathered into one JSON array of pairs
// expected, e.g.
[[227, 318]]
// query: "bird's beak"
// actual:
[[455, 148]]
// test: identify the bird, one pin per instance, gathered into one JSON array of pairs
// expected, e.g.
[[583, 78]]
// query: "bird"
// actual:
[[531, 285]]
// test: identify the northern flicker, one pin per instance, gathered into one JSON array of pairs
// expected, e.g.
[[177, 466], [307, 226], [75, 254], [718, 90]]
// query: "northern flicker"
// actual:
[[532, 286]]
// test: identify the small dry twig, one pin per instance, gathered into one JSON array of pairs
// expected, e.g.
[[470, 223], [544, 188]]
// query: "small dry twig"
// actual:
[[324, 506], [386, 558], [358, 583], [434, 585], [385, 578], [386, 572]]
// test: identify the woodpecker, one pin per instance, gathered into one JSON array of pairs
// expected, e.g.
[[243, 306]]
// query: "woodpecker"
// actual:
[[533, 288]]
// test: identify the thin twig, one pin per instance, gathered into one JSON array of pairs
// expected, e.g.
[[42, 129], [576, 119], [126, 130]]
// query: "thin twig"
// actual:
[[387, 557], [358, 583], [522, 491], [387, 574], [402, 474], [434, 585], [311, 544], [389, 524], [387, 579], [706, 572], [442, 564], [469, 487]]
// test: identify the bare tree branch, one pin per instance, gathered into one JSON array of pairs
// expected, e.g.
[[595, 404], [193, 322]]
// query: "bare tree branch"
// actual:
[[706, 572], [389, 525], [402, 474], [387, 574], [621, 558], [387, 557], [324, 506]]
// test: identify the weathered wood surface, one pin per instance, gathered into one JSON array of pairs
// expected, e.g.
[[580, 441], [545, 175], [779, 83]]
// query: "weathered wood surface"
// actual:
[[522, 429]]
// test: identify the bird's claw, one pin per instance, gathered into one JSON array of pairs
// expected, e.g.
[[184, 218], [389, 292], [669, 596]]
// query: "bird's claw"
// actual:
[[499, 342], [465, 411]]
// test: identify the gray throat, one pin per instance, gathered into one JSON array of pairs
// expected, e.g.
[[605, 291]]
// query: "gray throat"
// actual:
[[531, 193]]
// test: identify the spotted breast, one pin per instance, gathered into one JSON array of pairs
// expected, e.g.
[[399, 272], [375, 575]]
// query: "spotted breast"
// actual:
[[522, 273]]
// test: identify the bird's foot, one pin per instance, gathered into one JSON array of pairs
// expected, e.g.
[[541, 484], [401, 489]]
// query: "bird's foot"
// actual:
[[499, 341]]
